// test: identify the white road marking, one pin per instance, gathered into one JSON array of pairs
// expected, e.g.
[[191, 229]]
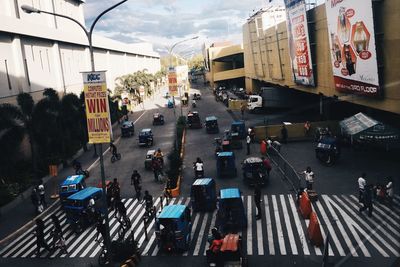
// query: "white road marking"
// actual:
[[351, 225], [260, 241], [249, 227], [16, 246], [300, 231], [331, 231], [269, 227], [212, 225], [373, 231], [200, 235], [286, 217], [281, 240]]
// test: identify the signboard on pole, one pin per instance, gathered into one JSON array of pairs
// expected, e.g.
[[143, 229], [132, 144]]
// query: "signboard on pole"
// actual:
[[97, 109], [352, 46], [172, 83], [141, 90], [299, 44]]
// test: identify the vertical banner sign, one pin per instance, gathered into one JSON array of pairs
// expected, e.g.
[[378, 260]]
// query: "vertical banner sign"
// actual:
[[97, 110], [182, 76], [352, 46], [172, 83], [299, 44]]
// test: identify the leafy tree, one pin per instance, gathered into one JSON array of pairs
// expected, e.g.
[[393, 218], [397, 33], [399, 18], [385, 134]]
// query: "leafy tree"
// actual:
[[15, 124], [131, 83]]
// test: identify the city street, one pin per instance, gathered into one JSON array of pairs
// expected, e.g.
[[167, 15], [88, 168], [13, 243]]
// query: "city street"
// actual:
[[280, 237]]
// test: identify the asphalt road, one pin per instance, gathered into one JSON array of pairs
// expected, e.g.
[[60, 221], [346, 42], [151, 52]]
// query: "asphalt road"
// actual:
[[279, 238]]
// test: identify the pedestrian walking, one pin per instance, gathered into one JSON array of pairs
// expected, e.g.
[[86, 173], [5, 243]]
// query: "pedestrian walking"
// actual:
[[136, 180], [242, 109], [390, 191], [257, 200], [58, 238], [40, 241], [42, 194], [267, 165], [35, 199], [367, 200], [309, 177], [361, 186], [248, 142], [135, 176]]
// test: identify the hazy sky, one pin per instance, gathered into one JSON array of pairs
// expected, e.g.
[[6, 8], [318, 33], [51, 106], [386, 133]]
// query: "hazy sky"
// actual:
[[165, 22]]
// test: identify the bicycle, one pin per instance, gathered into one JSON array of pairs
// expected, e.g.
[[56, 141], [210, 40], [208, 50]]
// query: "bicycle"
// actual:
[[115, 157]]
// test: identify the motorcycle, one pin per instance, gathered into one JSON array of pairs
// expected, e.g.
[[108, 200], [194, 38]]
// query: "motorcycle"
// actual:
[[193, 104], [197, 174], [115, 157]]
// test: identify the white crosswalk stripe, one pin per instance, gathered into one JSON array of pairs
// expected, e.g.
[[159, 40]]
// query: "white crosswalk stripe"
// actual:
[[281, 230]]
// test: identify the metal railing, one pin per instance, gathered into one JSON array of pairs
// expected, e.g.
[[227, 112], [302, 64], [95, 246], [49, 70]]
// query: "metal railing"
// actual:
[[289, 173]]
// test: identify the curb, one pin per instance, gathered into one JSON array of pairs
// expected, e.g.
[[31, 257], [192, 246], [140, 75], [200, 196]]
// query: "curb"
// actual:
[[176, 191], [30, 223], [26, 194]]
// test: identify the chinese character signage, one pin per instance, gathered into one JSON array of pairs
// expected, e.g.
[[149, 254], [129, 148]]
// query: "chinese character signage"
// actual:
[[97, 110], [172, 83], [299, 45], [352, 46]]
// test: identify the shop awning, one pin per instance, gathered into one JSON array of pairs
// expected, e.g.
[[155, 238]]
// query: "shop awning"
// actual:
[[357, 124]]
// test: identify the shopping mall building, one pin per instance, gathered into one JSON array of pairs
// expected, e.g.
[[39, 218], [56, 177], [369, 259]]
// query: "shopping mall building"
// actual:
[[345, 55], [40, 51]]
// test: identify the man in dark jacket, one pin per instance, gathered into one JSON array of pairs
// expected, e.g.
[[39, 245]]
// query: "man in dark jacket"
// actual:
[[257, 200], [367, 200]]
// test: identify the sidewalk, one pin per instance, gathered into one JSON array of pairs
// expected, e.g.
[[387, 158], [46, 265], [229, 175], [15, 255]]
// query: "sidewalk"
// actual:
[[24, 212]]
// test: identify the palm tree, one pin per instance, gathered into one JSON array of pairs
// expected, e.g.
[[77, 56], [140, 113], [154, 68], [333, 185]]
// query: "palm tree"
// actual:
[[15, 124]]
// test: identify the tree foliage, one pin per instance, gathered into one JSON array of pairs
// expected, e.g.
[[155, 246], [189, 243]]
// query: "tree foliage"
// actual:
[[131, 83]]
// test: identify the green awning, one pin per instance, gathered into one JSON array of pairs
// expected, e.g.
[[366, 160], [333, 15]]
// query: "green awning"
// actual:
[[357, 124]]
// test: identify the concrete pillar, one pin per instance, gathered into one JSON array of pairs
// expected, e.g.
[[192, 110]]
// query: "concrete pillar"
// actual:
[[19, 63], [59, 71]]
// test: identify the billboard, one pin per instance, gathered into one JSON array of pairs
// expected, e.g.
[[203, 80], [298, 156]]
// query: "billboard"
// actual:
[[352, 46], [172, 83], [97, 110], [299, 44], [182, 76]]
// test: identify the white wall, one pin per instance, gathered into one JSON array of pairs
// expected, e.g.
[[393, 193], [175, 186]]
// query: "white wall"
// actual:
[[42, 51]]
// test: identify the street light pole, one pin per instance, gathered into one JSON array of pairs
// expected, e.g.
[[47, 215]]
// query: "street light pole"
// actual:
[[170, 65], [89, 35]]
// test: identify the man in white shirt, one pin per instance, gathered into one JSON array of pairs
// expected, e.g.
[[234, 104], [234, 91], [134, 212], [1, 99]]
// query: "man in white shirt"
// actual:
[[389, 190], [361, 186], [248, 141], [309, 177]]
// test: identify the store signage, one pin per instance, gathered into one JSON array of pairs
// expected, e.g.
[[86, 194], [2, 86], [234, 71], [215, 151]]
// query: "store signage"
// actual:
[[172, 83], [299, 45], [352, 46], [97, 110]]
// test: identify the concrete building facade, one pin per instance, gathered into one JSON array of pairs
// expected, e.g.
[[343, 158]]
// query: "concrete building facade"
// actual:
[[225, 65], [267, 60], [40, 51]]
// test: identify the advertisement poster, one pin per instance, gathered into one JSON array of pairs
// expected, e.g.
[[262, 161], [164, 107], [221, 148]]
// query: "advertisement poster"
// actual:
[[299, 44], [182, 76], [352, 45], [97, 110], [172, 83]]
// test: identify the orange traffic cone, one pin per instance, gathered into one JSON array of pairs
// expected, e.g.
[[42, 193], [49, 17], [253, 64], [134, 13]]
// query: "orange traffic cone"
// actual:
[[314, 231], [305, 205]]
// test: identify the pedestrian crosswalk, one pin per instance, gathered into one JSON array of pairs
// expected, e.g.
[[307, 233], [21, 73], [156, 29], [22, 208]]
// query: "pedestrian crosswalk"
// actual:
[[280, 231]]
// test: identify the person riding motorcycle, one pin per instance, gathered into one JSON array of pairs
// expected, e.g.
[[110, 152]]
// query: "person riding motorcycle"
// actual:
[[198, 168], [193, 103], [159, 156]]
